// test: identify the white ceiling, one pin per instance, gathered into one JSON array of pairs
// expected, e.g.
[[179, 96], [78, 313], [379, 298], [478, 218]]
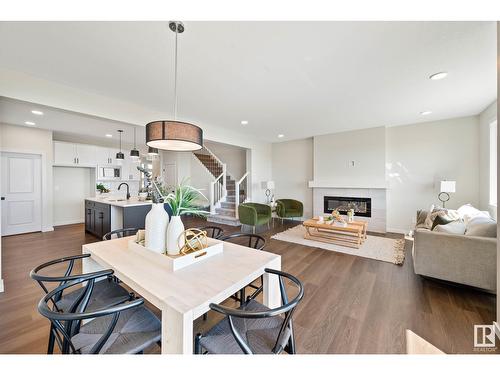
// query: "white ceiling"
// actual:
[[295, 78], [69, 125]]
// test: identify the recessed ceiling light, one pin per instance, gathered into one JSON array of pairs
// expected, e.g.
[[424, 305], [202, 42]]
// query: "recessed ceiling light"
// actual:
[[281, 135], [37, 112], [30, 123], [425, 113], [437, 76], [244, 122], [109, 135]]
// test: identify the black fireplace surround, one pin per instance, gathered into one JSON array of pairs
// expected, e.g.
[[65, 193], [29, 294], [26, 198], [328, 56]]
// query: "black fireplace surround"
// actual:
[[361, 206]]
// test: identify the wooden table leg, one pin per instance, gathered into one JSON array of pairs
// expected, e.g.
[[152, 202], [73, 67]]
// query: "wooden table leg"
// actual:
[[272, 295], [176, 332]]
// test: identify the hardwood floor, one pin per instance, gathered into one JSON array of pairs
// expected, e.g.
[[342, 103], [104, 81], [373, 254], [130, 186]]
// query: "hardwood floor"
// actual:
[[351, 304]]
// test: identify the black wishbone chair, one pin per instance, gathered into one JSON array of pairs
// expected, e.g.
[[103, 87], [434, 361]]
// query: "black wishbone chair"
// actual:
[[119, 233], [106, 292], [254, 328], [213, 231], [125, 328], [256, 242]]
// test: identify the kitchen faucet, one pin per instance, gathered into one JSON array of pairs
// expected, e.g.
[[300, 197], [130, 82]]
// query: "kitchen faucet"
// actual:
[[128, 189]]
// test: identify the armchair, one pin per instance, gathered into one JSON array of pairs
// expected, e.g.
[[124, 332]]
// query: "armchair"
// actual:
[[289, 208], [254, 214]]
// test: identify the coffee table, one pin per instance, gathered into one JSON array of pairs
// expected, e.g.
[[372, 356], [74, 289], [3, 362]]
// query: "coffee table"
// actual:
[[351, 235]]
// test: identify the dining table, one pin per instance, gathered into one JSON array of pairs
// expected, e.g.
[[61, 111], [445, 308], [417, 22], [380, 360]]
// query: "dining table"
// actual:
[[185, 294]]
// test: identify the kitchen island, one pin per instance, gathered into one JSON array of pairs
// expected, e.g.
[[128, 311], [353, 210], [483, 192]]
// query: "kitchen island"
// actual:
[[103, 215]]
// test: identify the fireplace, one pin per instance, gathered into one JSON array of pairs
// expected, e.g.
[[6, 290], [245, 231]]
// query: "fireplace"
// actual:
[[361, 206]]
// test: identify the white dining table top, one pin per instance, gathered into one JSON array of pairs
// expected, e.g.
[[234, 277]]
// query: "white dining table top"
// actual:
[[189, 289]]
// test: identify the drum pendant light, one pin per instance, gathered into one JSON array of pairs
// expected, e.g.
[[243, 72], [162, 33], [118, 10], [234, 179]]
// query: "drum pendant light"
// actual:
[[174, 135], [134, 154], [119, 154]]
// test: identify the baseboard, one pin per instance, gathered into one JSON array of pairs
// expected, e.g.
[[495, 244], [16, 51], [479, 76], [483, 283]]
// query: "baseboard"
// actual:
[[398, 230], [1, 285], [69, 222], [47, 229]]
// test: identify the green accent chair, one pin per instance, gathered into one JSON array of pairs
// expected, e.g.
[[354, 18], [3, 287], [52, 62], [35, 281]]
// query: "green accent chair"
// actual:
[[289, 208], [254, 214]]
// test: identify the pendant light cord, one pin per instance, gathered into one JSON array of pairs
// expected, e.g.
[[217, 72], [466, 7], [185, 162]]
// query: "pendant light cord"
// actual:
[[175, 74]]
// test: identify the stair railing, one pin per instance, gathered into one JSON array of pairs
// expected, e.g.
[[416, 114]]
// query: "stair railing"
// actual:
[[241, 185], [218, 190]]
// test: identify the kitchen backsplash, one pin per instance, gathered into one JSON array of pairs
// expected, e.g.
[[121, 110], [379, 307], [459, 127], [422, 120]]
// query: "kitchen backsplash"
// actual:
[[113, 187]]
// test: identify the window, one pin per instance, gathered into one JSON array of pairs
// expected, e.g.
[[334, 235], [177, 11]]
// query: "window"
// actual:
[[493, 163]]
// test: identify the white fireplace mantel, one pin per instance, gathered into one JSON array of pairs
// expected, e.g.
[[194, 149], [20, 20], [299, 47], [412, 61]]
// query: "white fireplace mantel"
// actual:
[[333, 185]]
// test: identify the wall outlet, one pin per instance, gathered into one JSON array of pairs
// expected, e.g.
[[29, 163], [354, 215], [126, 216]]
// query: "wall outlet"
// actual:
[[351, 163]]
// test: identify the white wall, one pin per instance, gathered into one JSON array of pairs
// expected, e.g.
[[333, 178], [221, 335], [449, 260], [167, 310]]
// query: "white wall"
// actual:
[[292, 170], [419, 156], [485, 118], [71, 187], [34, 141], [334, 153]]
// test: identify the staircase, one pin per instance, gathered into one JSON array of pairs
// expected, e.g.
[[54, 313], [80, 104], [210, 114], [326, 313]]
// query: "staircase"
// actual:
[[223, 197]]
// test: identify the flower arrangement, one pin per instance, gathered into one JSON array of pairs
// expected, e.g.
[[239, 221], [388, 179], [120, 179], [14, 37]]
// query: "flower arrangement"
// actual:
[[335, 217]]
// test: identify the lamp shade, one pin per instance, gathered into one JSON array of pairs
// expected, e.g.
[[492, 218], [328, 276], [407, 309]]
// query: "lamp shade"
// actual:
[[268, 185], [134, 153], [448, 186], [174, 136]]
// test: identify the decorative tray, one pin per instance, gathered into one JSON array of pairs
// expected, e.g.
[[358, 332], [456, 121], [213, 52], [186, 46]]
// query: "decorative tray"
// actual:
[[177, 262]]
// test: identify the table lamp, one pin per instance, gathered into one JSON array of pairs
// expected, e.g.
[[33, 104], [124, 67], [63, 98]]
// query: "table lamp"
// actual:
[[446, 188], [268, 185]]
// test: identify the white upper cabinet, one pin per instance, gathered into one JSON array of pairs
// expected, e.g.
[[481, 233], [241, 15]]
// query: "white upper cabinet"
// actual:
[[74, 154], [64, 153], [106, 156], [86, 155]]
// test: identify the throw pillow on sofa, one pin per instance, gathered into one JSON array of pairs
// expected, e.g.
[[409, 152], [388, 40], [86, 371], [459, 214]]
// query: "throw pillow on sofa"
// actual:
[[481, 226], [455, 227], [467, 212], [444, 216]]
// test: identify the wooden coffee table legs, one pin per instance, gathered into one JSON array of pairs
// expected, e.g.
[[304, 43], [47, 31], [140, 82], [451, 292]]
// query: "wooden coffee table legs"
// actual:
[[350, 239]]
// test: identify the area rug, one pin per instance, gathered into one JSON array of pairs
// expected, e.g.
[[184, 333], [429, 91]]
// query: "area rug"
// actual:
[[374, 247]]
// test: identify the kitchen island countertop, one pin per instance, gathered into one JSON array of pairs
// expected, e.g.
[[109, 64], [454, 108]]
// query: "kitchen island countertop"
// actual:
[[120, 202]]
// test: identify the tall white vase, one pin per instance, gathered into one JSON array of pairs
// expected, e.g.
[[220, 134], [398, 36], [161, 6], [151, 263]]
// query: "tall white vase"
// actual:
[[156, 228], [174, 239]]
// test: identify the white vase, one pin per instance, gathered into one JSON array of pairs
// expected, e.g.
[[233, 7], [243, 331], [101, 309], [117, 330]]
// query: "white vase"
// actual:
[[156, 228], [174, 239]]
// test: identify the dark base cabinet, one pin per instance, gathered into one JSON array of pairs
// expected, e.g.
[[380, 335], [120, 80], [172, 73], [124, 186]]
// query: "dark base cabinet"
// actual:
[[97, 218]]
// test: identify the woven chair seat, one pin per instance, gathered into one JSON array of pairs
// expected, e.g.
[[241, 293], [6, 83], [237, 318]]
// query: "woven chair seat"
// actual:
[[260, 334], [106, 293], [135, 330]]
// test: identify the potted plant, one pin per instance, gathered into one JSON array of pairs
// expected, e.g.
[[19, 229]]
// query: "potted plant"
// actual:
[[101, 188], [183, 200]]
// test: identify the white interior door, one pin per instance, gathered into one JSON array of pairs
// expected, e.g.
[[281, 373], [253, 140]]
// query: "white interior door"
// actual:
[[21, 191]]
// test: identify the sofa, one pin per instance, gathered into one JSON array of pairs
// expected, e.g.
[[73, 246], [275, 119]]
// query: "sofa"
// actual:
[[460, 248], [254, 214], [289, 208]]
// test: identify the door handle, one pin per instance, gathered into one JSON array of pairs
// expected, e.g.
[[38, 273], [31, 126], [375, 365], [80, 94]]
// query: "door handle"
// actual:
[[3, 198]]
